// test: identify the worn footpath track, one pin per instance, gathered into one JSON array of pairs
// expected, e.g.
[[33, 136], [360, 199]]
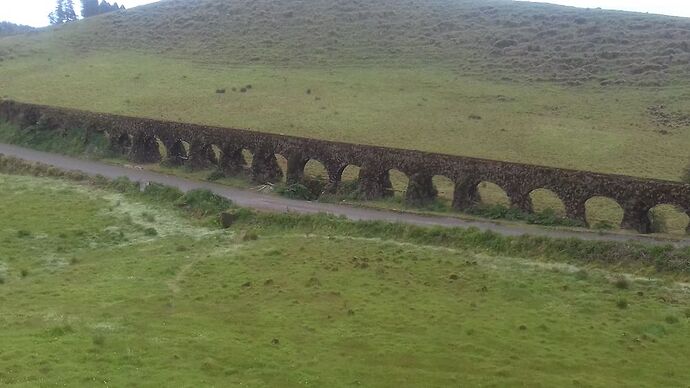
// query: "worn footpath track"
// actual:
[[272, 203]]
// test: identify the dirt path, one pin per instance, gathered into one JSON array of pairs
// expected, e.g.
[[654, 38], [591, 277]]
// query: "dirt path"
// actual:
[[272, 203]]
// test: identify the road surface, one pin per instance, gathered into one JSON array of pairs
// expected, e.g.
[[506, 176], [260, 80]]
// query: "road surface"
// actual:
[[273, 203]]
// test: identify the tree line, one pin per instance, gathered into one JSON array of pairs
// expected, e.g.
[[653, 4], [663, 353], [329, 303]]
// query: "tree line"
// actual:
[[64, 10]]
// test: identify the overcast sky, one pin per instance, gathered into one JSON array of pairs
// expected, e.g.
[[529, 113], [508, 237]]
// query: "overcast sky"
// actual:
[[35, 12]]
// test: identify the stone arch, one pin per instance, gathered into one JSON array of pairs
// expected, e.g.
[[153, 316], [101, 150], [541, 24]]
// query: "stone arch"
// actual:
[[248, 156], [544, 200], [177, 153], [214, 154], [145, 149], [420, 189], [667, 218], [264, 166], [603, 213], [201, 155], [491, 194], [283, 164], [348, 180], [233, 160], [122, 143], [315, 176], [162, 149], [445, 188]]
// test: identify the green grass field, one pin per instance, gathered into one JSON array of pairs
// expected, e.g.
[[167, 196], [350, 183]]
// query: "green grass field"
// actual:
[[90, 295], [427, 109]]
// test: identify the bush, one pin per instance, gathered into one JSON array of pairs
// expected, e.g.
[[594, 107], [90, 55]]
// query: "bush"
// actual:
[[622, 304], [203, 202], [296, 191], [546, 218], [215, 175], [124, 185], [162, 193], [151, 232], [622, 283]]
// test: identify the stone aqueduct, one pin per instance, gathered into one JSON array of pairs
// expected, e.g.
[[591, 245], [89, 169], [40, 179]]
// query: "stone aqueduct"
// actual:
[[139, 138]]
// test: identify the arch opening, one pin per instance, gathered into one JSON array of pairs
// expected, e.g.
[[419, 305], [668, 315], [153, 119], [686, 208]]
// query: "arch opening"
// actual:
[[603, 213], [315, 177], [214, 154], [248, 157], [162, 149], [348, 186], [491, 194], [445, 188], [124, 143], [283, 164], [669, 219], [396, 184], [177, 154], [545, 200]]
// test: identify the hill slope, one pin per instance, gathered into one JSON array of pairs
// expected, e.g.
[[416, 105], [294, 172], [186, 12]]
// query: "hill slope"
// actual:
[[540, 41], [588, 89]]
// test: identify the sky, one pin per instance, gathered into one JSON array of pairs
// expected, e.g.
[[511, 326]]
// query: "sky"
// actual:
[[35, 12]]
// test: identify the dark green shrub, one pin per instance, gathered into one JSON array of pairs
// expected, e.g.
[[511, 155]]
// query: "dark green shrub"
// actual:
[[124, 185], [622, 304], [296, 191], [547, 218], [151, 232], [622, 283], [162, 193], [215, 175], [203, 202]]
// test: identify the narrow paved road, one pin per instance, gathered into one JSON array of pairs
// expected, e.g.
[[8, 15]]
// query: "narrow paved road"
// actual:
[[265, 202]]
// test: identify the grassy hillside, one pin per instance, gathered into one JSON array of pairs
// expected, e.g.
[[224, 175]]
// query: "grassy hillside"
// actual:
[[588, 89], [109, 288]]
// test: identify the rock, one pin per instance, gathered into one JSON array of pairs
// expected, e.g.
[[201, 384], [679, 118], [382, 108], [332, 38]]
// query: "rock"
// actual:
[[503, 43], [227, 219]]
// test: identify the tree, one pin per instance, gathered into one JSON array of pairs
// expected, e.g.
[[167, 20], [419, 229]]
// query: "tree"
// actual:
[[68, 9], [89, 8], [64, 12]]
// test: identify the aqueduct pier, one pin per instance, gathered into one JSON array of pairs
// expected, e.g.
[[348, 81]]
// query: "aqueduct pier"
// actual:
[[201, 146]]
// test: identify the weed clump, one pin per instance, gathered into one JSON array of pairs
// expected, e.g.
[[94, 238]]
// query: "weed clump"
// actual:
[[162, 193], [250, 235], [547, 217], [203, 202], [622, 304], [124, 185], [296, 191], [151, 232], [23, 234], [622, 283], [671, 319], [98, 340], [215, 175]]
